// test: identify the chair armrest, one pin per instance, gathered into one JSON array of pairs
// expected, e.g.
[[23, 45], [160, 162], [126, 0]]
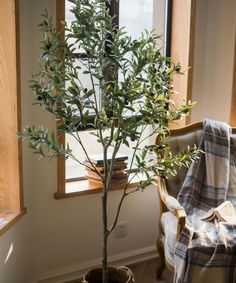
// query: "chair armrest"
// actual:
[[172, 205]]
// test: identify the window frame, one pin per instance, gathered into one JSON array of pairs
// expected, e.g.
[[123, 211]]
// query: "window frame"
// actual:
[[61, 163], [13, 208], [233, 96]]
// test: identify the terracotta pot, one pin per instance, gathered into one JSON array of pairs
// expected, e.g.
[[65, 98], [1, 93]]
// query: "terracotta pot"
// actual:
[[115, 275]]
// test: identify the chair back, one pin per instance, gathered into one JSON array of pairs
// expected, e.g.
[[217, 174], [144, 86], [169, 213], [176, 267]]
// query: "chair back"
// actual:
[[180, 138]]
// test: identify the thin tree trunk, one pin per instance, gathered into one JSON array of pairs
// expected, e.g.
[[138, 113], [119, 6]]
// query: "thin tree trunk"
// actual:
[[104, 247]]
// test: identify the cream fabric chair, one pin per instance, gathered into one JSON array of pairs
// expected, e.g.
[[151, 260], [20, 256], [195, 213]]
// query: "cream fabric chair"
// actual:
[[173, 216]]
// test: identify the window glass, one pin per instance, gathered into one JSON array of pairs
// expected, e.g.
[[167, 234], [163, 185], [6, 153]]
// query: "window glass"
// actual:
[[74, 169], [84, 82], [70, 18], [69, 15], [136, 16]]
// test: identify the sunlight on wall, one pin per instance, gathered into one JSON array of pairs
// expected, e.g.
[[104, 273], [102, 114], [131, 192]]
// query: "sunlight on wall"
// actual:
[[9, 253]]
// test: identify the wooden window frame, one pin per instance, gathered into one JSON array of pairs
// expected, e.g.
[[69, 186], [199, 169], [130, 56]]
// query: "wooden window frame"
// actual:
[[183, 22], [85, 189], [233, 98], [11, 187]]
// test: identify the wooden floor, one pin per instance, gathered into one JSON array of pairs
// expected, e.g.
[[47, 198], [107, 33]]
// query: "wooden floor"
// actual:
[[145, 272]]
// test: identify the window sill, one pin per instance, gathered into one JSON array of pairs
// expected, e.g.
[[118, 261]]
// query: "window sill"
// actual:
[[11, 216], [80, 188]]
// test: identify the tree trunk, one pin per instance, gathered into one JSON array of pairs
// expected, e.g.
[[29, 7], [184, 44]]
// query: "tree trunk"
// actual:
[[104, 247]]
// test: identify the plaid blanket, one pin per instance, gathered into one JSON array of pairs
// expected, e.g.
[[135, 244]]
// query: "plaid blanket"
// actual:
[[206, 251]]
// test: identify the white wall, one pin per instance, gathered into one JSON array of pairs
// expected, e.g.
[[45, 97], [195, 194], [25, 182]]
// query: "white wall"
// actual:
[[213, 59], [15, 255]]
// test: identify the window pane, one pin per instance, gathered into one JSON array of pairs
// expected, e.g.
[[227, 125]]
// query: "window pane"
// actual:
[[136, 15], [75, 170], [69, 15], [69, 18], [84, 81], [129, 17]]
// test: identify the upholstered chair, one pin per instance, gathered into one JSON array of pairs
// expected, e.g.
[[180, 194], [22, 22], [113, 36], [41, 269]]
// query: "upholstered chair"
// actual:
[[173, 216]]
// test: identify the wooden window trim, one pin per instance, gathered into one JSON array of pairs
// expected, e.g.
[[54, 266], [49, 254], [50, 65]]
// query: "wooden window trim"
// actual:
[[18, 81], [83, 187], [13, 212], [182, 50], [11, 216], [61, 163], [233, 99]]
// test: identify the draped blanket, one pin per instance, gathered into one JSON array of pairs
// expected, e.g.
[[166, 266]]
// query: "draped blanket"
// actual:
[[206, 251]]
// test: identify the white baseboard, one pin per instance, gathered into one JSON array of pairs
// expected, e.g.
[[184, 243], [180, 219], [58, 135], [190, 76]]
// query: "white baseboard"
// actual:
[[77, 271]]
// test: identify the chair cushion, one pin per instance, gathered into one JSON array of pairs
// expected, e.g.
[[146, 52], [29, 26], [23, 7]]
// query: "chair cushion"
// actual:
[[169, 228]]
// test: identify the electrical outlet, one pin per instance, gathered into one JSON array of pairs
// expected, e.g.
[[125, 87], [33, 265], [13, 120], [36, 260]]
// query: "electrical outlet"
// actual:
[[121, 229]]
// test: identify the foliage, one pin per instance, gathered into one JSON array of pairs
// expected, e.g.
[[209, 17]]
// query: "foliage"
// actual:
[[134, 81]]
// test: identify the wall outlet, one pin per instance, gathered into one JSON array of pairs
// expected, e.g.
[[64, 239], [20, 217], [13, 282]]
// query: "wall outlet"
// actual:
[[121, 229]]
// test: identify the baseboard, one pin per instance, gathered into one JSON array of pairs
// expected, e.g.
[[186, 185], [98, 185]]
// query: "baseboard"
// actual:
[[73, 272]]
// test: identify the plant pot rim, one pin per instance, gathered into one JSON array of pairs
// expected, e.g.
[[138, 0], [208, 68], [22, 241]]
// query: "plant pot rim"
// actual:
[[125, 273]]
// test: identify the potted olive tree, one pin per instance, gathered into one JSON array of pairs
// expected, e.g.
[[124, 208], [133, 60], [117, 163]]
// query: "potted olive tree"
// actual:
[[134, 82]]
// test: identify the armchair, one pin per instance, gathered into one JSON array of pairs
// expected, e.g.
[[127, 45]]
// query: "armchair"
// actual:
[[173, 216]]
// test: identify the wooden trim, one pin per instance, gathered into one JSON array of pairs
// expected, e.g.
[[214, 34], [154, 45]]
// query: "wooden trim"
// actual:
[[169, 266], [191, 54], [233, 100], [166, 262], [191, 127], [178, 212], [168, 15], [186, 129], [113, 7], [11, 195], [88, 190], [60, 14], [17, 23], [160, 249], [61, 166], [182, 50], [12, 217]]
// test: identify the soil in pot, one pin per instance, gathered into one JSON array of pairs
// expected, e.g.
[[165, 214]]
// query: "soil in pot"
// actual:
[[115, 275]]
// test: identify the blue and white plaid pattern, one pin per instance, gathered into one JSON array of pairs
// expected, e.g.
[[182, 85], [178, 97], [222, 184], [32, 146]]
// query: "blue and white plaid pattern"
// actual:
[[206, 251]]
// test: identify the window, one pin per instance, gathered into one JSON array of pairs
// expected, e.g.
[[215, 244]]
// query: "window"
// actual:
[[71, 175], [11, 199]]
